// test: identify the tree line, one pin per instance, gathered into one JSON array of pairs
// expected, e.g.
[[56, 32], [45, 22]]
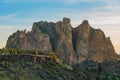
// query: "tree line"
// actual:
[[8, 51]]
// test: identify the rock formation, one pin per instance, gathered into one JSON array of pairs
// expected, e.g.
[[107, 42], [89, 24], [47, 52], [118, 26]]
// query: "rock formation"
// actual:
[[72, 44], [81, 36], [30, 40], [60, 34], [91, 44]]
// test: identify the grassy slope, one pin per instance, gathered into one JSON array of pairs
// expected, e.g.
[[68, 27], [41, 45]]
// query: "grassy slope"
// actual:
[[49, 70]]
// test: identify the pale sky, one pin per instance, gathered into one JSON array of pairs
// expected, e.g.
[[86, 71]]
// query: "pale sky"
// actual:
[[20, 14]]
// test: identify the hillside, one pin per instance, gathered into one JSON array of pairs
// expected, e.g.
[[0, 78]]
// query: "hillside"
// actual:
[[22, 67]]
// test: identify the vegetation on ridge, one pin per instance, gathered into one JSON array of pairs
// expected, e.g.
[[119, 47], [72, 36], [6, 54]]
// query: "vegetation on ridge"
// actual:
[[26, 69]]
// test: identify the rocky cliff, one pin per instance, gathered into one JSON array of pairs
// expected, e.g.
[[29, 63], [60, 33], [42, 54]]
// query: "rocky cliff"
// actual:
[[60, 34], [72, 44], [30, 40], [91, 44]]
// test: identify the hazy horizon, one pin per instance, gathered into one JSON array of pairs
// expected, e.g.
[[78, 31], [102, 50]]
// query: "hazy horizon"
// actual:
[[19, 15]]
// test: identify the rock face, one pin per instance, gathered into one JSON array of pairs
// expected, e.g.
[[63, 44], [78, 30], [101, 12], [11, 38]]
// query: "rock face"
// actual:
[[60, 34], [91, 44], [72, 44], [81, 36], [31, 40]]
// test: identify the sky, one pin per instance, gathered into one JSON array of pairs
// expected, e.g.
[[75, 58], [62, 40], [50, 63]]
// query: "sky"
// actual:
[[20, 14]]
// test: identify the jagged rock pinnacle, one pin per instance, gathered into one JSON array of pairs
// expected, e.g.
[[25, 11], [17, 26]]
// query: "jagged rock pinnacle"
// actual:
[[66, 20], [85, 22]]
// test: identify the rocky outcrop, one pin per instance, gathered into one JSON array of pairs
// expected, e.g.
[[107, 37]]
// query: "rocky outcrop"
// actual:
[[30, 40], [101, 46], [72, 44], [60, 34], [81, 36], [91, 44]]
